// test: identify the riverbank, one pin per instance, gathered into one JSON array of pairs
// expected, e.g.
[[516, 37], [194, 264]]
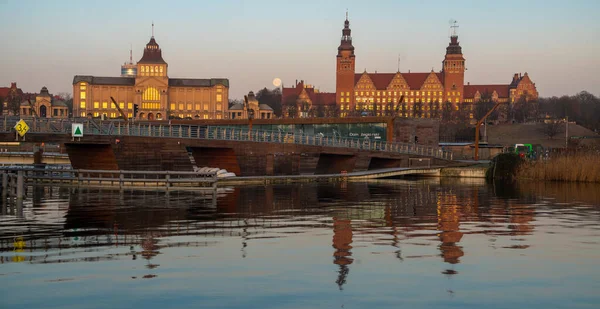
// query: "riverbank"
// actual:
[[569, 168]]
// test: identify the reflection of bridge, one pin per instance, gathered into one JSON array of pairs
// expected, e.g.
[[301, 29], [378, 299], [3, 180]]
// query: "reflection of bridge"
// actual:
[[163, 146]]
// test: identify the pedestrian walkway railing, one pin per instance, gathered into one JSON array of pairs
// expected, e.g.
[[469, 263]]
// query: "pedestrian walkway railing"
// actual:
[[167, 180], [198, 131]]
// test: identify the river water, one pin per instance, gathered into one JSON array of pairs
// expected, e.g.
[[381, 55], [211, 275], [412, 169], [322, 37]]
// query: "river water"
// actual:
[[397, 243]]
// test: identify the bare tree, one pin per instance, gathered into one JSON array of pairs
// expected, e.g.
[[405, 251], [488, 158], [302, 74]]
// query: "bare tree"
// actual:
[[551, 129]]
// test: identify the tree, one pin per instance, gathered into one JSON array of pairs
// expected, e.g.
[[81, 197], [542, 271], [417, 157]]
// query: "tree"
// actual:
[[272, 98], [232, 102], [551, 129], [483, 106]]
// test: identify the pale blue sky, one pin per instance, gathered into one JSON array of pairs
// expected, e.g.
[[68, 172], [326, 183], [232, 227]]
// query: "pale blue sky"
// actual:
[[252, 42]]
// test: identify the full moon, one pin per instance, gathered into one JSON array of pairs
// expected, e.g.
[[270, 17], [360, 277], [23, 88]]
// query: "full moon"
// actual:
[[277, 82]]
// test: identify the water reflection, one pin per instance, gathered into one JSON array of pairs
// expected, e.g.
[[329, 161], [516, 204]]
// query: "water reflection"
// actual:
[[441, 222]]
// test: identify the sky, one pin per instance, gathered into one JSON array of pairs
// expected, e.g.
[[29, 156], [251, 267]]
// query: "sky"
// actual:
[[46, 43]]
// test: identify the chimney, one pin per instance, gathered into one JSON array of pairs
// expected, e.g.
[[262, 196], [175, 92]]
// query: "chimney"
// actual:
[[13, 85], [296, 82], [468, 83]]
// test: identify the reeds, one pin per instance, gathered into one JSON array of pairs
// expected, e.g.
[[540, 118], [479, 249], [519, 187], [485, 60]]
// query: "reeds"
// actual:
[[584, 167]]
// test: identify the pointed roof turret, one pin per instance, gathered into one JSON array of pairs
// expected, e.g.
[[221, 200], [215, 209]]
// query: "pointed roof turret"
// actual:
[[346, 40], [152, 52]]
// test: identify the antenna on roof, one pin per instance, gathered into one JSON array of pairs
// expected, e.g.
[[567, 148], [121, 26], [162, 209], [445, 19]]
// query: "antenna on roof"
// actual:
[[453, 27], [152, 28], [346, 13], [130, 53], [398, 62]]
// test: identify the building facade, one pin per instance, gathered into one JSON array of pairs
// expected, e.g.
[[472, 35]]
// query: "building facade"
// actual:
[[423, 94], [11, 98], [304, 100], [149, 87], [253, 107], [45, 106]]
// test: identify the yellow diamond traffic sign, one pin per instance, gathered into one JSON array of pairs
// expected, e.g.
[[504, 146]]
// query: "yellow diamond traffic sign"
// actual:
[[21, 127]]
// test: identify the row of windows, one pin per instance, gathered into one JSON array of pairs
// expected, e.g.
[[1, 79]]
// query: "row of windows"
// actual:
[[156, 70], [189, 106], [396, 93]]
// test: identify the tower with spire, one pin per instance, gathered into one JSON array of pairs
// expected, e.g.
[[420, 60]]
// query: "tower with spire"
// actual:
[[345, 68], [454, 69]]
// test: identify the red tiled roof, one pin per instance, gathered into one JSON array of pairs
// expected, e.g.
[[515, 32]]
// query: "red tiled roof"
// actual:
[[382, 80], [5, 91], [320, 98], [502, 90]]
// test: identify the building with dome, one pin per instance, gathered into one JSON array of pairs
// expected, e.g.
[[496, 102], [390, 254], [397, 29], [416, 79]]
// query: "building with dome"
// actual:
[[149, 88], [45, 106], [243, 111]]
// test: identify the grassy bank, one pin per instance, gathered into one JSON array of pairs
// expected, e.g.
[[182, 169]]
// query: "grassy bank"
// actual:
[[577, 167]]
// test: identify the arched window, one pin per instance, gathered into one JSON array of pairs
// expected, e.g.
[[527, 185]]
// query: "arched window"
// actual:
[[151, 94]]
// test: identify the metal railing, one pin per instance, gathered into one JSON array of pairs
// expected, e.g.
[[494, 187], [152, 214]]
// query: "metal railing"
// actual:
[[111, 178], [197, 131]]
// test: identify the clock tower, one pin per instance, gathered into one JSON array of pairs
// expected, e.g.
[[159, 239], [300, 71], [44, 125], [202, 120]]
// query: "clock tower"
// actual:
[[345, 68]]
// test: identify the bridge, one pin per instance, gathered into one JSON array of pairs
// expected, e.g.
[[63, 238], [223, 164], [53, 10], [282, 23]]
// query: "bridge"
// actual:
[[120, 145]]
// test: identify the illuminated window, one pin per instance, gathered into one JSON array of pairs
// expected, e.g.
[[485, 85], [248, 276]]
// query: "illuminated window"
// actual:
[[113, 115], [205, 106], [356, 93], [189, 106], [96, 114], [82, 114], [412, 93], [82, 104], [205, 116], [362, 93], [151, 94], [129, 105], [458, 93], [104, 104], [161, 69], [82, 86], [180, 115], [456, 100], [129, 115], [122, 104], [219, 107], [219, 97], [428, 92], [197, 107], [181, 106], [448, 93], [218, 116], [96, 104], [143, 69], [82, 95]]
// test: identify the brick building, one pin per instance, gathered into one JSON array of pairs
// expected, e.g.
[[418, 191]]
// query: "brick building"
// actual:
[[10, 98], [156, 95], [424, 92]]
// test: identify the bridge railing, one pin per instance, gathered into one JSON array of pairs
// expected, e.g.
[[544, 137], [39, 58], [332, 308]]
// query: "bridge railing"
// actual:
[[92, 127]]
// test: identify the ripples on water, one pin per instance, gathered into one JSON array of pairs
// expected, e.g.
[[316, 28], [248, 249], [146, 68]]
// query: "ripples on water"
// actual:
[[352, 245]]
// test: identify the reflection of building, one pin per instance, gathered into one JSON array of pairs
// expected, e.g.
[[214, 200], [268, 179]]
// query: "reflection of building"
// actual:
[[342, 238], [157, 95], [45, 106], [449, 226], [261, 111]]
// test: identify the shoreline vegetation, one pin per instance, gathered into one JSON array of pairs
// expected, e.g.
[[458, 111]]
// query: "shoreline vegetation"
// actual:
[[579, 167], [576, 167]]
